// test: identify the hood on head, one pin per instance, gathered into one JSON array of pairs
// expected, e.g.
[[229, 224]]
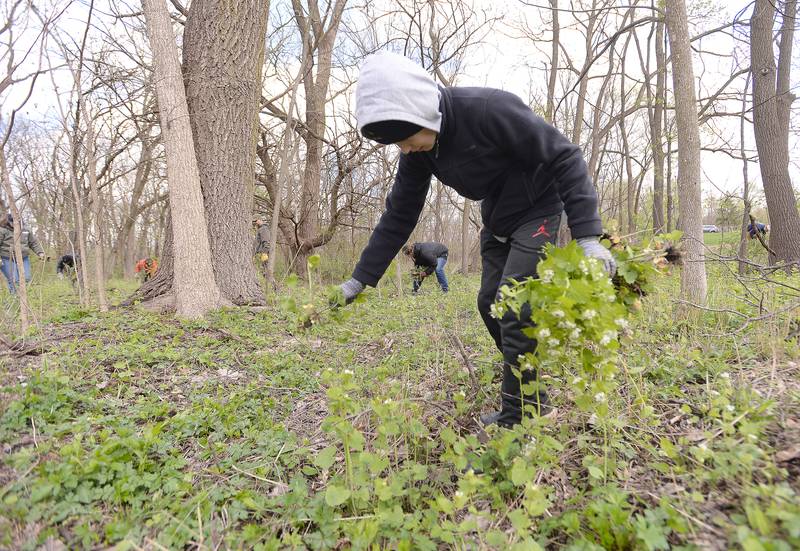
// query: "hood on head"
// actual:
[[391, 87]]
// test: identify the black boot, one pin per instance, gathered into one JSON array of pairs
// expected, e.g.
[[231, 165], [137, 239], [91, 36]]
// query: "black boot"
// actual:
[[512, 400]]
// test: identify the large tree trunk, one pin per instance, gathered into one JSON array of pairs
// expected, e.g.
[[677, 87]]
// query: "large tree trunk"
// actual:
[[196, 290], [222, 59], [223, 54], [693, 276], [772, 100]]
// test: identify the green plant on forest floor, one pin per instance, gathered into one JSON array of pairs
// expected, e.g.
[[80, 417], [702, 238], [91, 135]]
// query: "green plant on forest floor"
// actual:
[[244, 432]]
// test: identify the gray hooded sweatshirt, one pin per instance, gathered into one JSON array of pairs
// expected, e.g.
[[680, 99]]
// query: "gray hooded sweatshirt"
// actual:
[[490, 147], [392, 87]]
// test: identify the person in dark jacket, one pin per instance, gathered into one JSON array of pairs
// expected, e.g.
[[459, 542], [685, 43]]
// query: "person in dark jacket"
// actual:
[[489, 146], [65, 263], [67, 266], [428, 257], [758, 228], [8, 264]]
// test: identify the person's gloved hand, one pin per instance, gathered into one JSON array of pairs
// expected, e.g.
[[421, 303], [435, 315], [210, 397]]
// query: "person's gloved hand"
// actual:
[[351, 289], [593, 249]]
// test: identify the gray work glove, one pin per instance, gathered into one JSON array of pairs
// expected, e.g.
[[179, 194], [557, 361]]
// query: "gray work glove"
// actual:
[[593, 249], [351, 289]]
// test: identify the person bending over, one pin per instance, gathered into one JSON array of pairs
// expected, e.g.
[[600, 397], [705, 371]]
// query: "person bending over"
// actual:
[[488, 146]]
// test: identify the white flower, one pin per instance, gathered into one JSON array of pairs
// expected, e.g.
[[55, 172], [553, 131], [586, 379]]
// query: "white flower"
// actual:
[[387, 401], [459, 494], [552, 341], [575, 333], [348, 371], [600, 397], [607, 337], [610, 297], [621, 323], [497, 311], [725, 375], [544, 332], [730, 408], [569, 324], [558, 313], [583, 267], [547, 276], [589, 314], [577, 380]]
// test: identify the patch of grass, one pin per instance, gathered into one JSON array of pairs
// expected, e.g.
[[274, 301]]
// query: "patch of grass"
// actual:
[[249, 431]]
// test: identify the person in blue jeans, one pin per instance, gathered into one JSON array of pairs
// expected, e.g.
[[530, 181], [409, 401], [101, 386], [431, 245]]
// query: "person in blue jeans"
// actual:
[[28, 243], [428, 258]]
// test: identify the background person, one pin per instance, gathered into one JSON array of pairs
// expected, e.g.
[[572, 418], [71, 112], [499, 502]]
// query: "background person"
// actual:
[[147, 266], [261, 243], [428, 257], [8, 264]]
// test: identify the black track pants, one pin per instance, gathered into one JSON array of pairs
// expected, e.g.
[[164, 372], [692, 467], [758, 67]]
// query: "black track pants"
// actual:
[[517, 258]]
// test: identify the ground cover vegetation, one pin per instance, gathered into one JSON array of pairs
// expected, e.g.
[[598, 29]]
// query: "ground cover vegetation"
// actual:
[[298, 426]]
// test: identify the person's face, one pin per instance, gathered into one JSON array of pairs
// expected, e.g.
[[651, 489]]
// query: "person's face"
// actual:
[[424, 140], [259, 223]]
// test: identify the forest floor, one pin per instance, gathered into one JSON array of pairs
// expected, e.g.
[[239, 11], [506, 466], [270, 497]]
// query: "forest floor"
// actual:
[[133, 430]]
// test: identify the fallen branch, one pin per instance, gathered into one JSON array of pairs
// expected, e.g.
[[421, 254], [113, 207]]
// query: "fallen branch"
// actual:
[[19, 348]]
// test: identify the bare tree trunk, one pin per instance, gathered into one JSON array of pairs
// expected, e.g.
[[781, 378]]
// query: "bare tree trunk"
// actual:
[[772, 101], [551, 80], [438, 231], [693, 276], [77, 198], [22, 288], [126, 241], [196, 290], [222, 59], [318, 42], [465, 236], [626, 154], [743, 234], [668, 181], [656, 131], [97, 209]]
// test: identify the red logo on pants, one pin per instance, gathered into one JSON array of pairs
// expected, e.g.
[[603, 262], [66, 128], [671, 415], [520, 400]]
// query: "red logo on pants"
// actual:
[[541, 231]]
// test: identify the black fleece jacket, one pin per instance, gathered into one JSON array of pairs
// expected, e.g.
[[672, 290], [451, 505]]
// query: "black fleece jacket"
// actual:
[[426, 254], [491, 148]]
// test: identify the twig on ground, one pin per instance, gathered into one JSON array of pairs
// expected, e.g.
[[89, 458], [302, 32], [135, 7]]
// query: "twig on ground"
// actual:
[[459, 346], [261, 478]]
